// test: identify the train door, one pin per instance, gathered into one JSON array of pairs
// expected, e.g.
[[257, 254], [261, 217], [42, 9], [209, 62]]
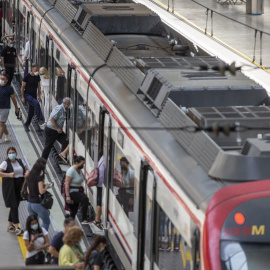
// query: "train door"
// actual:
[[147, 217], [72, 93], [108, 174]]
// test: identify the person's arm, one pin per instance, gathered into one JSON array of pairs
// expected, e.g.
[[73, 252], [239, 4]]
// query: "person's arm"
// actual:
[[54, 252], [45, 245], [96, 267], [30, 245], [42, 188], [22, 91], [9, 175], [13, 98], [67, 188], [3, 62], [27, 171], [59, 130]]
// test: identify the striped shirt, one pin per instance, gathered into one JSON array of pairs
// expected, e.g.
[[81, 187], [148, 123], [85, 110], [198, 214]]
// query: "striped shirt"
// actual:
[[59, 114]]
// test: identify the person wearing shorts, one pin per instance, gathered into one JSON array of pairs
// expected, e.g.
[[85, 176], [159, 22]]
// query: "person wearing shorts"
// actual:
[[6, 92]]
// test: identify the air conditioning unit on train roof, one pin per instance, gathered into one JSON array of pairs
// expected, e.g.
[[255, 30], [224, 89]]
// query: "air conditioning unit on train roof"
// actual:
[[154, 90], [82, 16]]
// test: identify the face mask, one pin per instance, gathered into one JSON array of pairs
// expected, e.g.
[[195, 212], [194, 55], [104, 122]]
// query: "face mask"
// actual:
[[34, 227], [11, 45], [2, 82], [80, 167], [36, 73], [12, 156]]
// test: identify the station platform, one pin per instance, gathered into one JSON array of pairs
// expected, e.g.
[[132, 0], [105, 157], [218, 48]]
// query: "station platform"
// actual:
[[230, 38], [29, 147]]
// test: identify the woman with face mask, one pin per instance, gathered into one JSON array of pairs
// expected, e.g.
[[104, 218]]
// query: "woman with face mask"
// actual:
[[71, 253], [36, 188], [57, 241], [74, 192], [13, 171], [93, 257], [36, 241]]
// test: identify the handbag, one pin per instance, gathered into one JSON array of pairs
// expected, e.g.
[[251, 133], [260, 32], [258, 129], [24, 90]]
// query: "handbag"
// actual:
[[117, 179], [47, 200], [24, 193], [93, 178]]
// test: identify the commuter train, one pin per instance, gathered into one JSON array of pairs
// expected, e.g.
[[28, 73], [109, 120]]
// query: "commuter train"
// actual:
[[187, 199]]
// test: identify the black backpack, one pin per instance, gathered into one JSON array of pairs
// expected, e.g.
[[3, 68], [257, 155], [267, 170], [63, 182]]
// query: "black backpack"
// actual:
[[47, 200]]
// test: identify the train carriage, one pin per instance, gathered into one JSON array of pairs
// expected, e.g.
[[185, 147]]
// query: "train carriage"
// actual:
[[187, 206]]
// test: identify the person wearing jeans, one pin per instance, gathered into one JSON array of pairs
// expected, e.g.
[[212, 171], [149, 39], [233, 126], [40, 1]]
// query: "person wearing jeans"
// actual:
[[29, 89], [36, 188]]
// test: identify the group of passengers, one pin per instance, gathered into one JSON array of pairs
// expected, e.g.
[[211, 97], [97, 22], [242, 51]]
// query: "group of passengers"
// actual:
[[15, 173], [64, 247]]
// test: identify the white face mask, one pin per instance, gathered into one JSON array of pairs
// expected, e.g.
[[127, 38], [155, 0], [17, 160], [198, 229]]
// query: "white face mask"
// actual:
[[36, 73], [2, 82]]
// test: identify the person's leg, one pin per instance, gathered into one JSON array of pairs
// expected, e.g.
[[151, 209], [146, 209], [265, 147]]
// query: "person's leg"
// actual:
[[75, 205], [30, 209], [26, 68], [65, 152], [81, 198], [35, 104], [2, 129], [10, 72], [99, 203], [62, 139], [46, 107], [50, 137], [43, 213], [31, 109]]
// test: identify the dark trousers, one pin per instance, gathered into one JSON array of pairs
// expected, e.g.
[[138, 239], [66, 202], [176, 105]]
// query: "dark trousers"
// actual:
[[39, 258], [10, 73], [79, 198], [26, 68], [51, 136], [34, 107], [13, 215]]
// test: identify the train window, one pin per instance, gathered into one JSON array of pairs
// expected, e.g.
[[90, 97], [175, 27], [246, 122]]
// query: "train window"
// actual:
[[22, 34], [124, 179], [83, 128], [170, 240], [61, 84]]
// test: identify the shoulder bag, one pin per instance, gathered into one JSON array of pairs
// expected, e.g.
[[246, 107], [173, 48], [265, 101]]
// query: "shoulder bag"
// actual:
[[47, 200], [24, 193], [93, 178]]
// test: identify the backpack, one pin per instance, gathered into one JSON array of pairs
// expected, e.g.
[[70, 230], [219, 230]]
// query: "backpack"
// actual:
[[47, 200], [93, 178]]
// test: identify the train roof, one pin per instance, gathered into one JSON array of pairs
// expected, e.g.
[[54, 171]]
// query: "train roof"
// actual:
[[170, 100]]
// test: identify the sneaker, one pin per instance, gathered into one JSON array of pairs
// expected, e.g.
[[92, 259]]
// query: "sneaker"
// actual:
[[41, 122], [11, 228], [26, 128], [19, 232], [42, 126], [7, 138], [85, 222]]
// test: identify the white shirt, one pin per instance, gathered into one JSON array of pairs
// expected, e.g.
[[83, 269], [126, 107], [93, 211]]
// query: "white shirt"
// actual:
[[16, 167], [38, 243], [27, 50], [45, 84]]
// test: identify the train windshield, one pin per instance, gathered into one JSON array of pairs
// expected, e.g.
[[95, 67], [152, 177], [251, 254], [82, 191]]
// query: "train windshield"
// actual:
[[244, 256]]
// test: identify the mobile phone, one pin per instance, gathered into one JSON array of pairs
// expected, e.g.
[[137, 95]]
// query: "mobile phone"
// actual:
[[51, 184]]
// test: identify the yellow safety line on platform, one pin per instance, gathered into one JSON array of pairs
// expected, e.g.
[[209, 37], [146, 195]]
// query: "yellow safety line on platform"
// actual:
[[20, 239], [231, 48]]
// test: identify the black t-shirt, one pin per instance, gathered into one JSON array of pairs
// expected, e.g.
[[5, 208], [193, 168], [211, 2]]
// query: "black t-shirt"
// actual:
[[31, 84], [34, 196], [5, 93], [10, 56], [95, 259], [57, 243]]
